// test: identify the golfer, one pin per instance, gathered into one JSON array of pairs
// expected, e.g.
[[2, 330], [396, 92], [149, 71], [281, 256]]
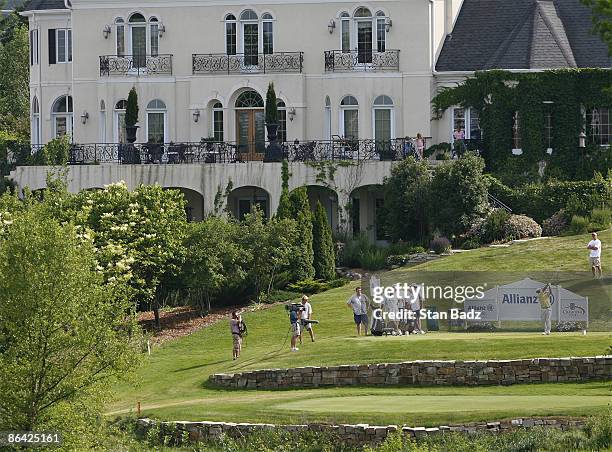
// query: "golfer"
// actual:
[[595, 255], [359, 303], [236, 335], [544, 296], [306, 314]]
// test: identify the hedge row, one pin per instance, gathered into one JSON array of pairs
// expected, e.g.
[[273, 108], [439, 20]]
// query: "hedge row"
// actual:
[[541, 201]]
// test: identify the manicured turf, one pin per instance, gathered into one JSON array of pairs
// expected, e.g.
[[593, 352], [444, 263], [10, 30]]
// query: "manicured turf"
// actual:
[[549, 254], [172, 382]]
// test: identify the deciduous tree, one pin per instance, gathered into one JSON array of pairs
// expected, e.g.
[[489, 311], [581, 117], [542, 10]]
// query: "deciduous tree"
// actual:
[[65, 334]]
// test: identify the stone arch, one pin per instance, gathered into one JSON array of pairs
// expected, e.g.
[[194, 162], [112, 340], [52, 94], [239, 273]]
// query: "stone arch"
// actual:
[[194, 207], [328, 198], [366, 201], [241, 201]]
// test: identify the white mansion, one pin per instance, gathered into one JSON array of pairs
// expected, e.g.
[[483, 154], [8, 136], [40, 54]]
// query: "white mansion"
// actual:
[[343, 71]]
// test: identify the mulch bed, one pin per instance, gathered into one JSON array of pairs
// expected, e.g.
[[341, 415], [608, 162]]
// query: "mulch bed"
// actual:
[[179, 322]]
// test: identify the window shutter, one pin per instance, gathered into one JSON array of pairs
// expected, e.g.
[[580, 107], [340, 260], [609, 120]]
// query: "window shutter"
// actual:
[[32, 48], [52, 57]]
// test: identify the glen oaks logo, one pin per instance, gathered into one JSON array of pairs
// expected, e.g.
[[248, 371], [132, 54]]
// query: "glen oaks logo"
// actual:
[[403, 301]]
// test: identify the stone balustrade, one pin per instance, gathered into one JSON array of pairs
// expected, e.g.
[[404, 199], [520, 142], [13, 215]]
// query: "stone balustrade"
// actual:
[[425, 373]]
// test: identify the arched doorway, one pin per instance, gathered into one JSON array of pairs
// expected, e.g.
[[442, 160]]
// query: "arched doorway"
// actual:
[[328, 199], [243, 200], [194, 207], [366, 204], [250, 125]]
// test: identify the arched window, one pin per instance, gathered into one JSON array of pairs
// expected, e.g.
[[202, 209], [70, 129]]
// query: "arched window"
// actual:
[[327, 126], [138, 39], [382, 118], [248, 14], [364, 30], [249, 99], [35, 121], [231, 34], [156, 121], [381, 31], [268, 35], [345, 32], [217, 120], [120, 36], [137, 18], [282, 120], [154, 36], [120, 136], [349, 117], [250, 37], [102, 125], [362, 12], [62, 116], [250, 120]]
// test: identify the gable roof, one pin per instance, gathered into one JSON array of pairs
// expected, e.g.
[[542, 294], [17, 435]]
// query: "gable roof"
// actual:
[[522, 34], [38, 5]]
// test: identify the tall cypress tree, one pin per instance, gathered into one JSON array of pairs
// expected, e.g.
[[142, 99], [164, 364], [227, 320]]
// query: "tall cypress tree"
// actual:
[[322, 245], [296, 206]]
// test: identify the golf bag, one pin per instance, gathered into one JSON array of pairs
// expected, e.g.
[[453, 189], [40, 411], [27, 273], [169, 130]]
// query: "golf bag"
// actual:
[[378, 327]]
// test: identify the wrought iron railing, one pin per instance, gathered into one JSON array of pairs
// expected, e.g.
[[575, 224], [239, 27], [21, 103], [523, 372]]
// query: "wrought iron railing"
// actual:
[[226, 152], [359, 60], [135, 65], [215, 63]]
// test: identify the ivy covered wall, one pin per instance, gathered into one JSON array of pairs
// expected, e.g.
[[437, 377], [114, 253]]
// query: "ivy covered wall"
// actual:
[[497, 95]]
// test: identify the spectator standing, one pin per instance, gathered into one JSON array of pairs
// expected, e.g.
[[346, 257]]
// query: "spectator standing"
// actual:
[[595, 255], [359, 303], [235, 322]]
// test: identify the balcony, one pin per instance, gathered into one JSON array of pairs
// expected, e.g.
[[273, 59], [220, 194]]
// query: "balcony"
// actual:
[[240, 63], [137, 65], [361, 61], [204, 152]]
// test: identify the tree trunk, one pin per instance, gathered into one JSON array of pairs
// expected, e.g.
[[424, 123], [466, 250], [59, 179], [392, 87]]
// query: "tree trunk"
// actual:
[[156, 313]]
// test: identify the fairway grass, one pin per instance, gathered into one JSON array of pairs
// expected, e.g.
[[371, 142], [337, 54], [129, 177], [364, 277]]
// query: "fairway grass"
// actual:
[[172, 383]]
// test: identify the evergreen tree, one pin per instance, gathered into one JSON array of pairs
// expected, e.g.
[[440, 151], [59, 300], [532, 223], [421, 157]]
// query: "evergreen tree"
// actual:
[[322, 245], [296, 206]]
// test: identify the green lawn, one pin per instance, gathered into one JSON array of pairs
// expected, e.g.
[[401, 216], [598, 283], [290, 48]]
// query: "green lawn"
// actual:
[[563, 254], [172, 382]]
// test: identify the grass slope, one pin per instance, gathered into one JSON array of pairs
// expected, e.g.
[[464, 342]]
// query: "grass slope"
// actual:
[[172, 383]]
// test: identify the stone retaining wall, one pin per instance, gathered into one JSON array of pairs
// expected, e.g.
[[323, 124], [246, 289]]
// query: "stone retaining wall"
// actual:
[[425, 373], [354, 434]]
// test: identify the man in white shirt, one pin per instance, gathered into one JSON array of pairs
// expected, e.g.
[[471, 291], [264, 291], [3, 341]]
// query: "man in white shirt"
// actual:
[[306, 313], [595, 255], [359, 303]]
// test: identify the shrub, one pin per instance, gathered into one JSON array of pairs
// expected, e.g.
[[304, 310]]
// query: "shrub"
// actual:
[[492, 229], [600, 219], [440, 245], [521, 227], [373, 259], [541, 201], [556, 224], [578, 225], [131, 110], [271, 108], [471, 244], [599, 430], [458, 195], [310, 286], [354, 249]]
